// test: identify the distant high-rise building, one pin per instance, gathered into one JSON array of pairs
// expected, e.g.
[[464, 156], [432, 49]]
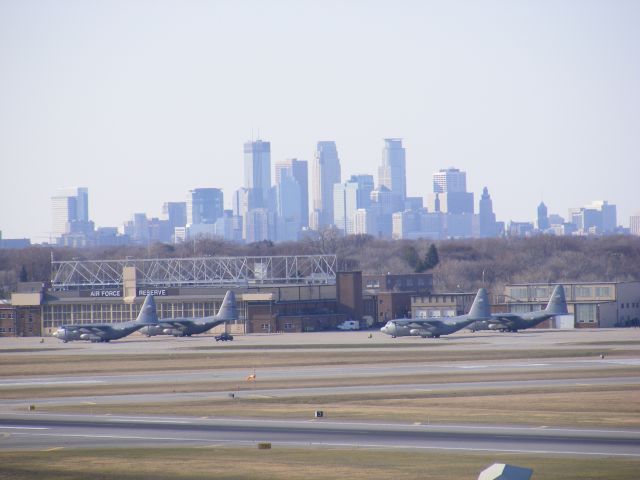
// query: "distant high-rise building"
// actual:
[[487, 217], [365, 187], [257, 170], [598, 218], [392, 173], [175, 213], [70, 206], [260, 225], [345, 204], [543, 217], [449, 180], [204, 206], [414, 203], [288, 207], [450, 189], [326, 173], [382, 206], [634, 224], [298, 169]]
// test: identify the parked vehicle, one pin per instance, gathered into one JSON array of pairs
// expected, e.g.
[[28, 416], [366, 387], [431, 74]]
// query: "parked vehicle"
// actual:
[[224, 337], [350, 325]]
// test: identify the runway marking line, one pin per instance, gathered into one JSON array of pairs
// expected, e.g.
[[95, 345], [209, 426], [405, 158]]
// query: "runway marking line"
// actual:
[[26, 428], [52, 449]]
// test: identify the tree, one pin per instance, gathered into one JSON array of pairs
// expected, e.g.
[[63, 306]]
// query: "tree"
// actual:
[[431, 258], [410, 255], [23, 274]]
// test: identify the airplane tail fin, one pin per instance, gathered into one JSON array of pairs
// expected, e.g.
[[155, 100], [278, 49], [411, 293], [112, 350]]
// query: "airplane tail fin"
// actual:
[[148, 314], [480, 309], [557, 303], [228, 309]]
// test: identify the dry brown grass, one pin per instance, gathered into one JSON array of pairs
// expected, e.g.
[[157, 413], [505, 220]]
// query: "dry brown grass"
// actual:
[[601, 406], [293, 464], [45, 364]]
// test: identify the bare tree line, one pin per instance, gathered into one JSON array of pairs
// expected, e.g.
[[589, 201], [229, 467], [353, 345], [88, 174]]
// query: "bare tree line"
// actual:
[[463, 264]]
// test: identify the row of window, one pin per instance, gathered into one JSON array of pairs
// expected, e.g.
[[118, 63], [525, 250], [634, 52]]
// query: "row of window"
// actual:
[[85, 313], [8, 330], [6, 315], [543, 292], [630, 305], [266, 327]]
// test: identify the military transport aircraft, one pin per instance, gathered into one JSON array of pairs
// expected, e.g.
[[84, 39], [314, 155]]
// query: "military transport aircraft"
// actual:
[[512, 322], [185, 327], [434, 327], [104, 332]]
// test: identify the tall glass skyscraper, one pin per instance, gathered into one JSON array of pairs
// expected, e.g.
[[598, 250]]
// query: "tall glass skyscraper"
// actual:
[[326, 173], [257, 170], [298, 170], [205, 206], [393, 171], [70, 205]]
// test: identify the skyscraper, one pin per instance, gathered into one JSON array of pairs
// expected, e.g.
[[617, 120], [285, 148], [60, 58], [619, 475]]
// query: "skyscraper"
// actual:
[[257, 170], [288, 207], [487, 217], [450, 189], [204, 206], [634, 224], [326, 173], [449, 180], [393, 171], [299, 170], [175, 213], [69, 206], [543, 217], [365, 187], [345, 205]]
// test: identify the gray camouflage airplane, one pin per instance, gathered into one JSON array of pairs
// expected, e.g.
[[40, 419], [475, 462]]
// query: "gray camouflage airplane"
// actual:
[[104, 332], [512, 322], [434, 327], [185, 327]]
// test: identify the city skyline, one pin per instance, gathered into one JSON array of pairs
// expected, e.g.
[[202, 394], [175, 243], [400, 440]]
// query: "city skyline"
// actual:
[[537, 101]]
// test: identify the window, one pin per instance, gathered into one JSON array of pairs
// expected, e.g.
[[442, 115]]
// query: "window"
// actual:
[[288, 326], [519, 293], [586, 313], [1, 329], [603, 292], [265, 326], [584, 292]]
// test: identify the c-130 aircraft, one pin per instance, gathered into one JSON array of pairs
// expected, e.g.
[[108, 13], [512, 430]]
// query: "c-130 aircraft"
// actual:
[[434, 327], [105, 332], [185, 327]]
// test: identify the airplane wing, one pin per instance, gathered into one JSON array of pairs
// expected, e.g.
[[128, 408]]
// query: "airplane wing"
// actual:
[[179, 323], [503, 317], [433, 323], [93, 329]]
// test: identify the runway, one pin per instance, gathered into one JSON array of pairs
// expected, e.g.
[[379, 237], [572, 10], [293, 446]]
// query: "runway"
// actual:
[[72, 431], [278, 373]]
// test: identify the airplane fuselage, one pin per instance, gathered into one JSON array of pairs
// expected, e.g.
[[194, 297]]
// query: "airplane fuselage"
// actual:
[[182, 327]]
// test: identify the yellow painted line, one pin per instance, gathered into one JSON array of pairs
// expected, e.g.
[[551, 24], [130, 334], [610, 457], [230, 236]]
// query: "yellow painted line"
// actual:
[[52, 449], [89, 403]]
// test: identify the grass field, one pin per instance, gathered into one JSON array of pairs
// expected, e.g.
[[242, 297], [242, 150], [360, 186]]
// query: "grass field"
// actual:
[[56, 364], [294, 464], [589, 406]]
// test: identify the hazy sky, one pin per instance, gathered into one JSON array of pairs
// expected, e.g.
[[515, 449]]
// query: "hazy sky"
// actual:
[[141, 101]]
